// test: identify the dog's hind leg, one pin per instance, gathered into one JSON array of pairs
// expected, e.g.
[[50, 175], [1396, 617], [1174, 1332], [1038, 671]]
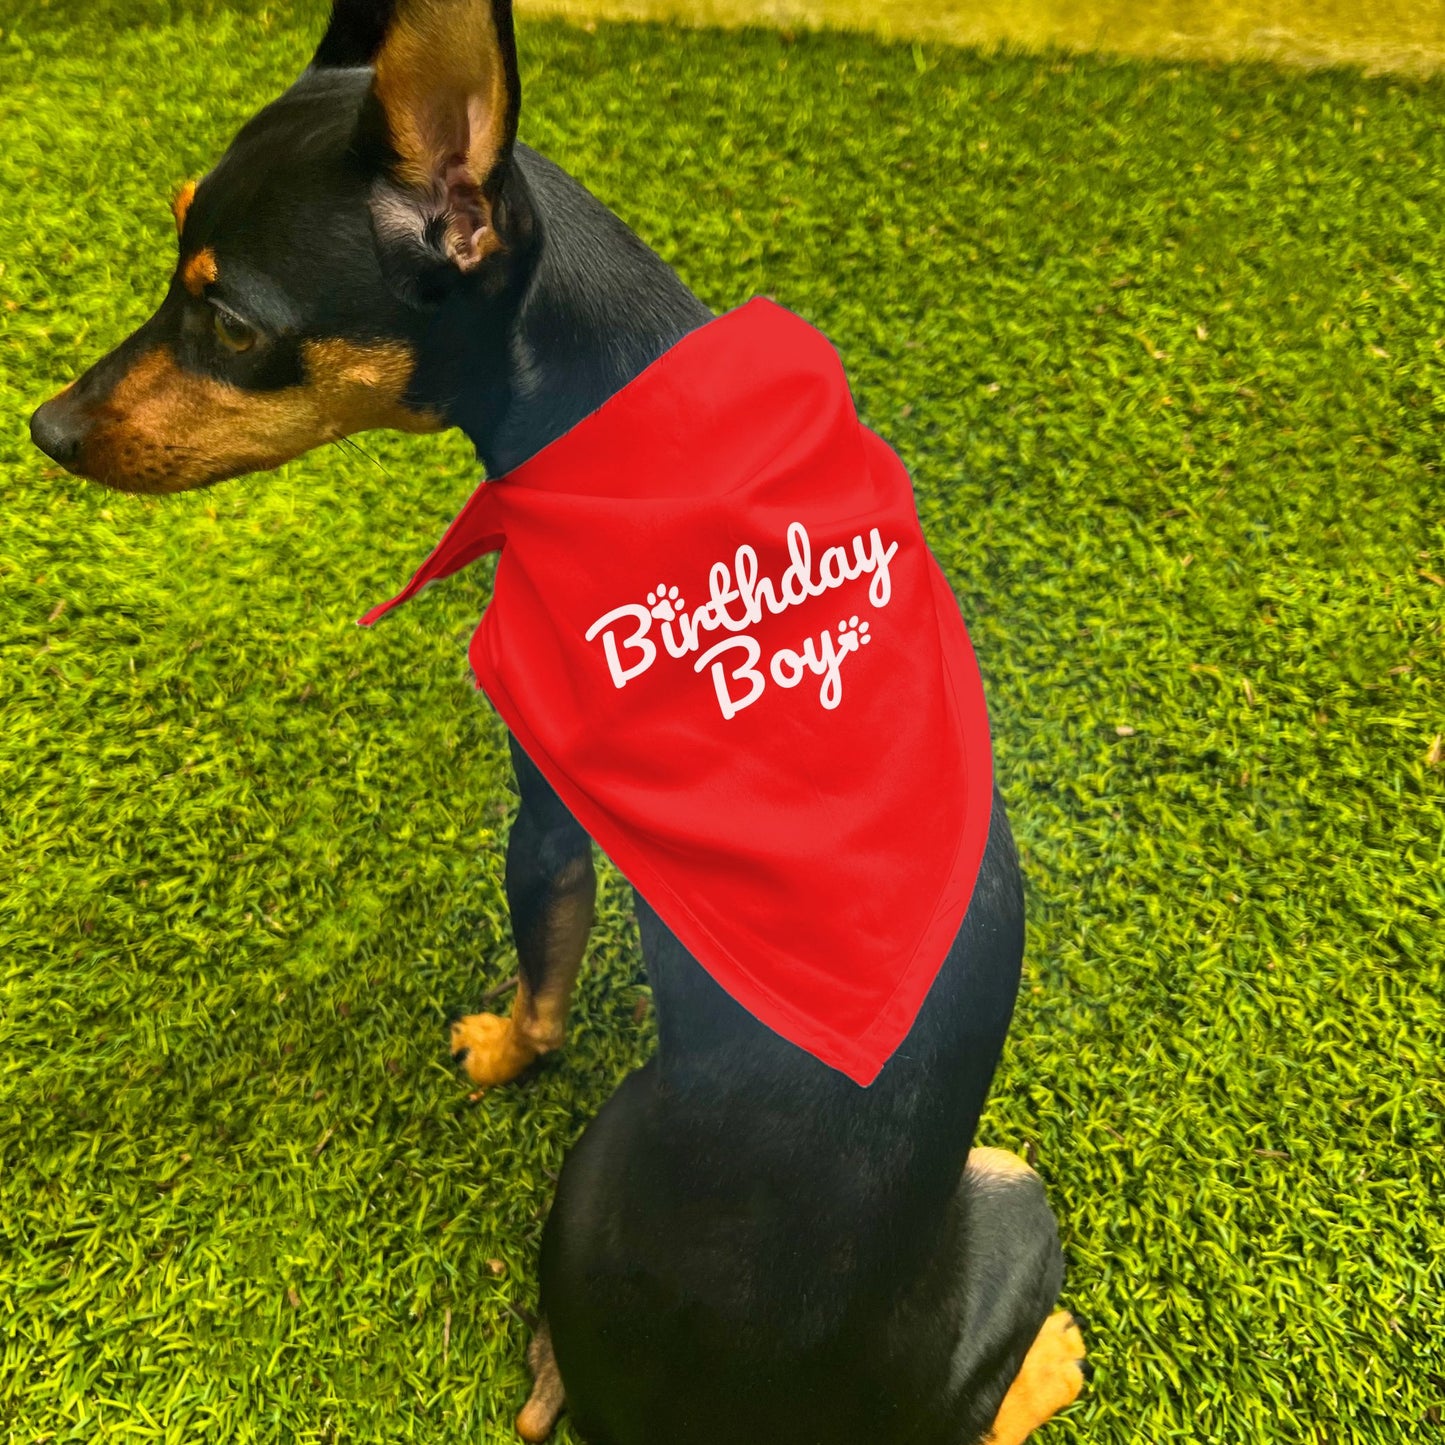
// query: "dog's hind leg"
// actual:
[[539, 1416], [1018, 1361], [551, 892], [1052, 1373]]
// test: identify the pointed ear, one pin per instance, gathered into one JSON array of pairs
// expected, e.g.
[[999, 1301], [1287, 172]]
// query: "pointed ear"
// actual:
[[446, 82], [353, 34], [182, 204]]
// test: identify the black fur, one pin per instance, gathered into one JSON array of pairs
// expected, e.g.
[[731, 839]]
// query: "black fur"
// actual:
[[354, 34], [744, 1246]]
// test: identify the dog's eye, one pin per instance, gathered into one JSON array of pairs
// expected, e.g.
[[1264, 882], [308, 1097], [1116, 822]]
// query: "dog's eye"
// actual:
[[232, 332]]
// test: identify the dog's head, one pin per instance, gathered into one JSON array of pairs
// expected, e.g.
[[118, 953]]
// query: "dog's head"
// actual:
[[313, 258]]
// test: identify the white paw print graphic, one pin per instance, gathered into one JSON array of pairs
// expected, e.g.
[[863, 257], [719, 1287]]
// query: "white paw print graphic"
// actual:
[[664, 602], [854, 633]]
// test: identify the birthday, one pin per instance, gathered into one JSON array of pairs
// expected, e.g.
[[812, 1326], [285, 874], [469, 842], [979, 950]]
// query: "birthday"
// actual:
[[738, 599]]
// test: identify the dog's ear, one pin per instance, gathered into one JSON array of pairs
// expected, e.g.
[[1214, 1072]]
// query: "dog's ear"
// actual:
[[447, 87], [354, 33]]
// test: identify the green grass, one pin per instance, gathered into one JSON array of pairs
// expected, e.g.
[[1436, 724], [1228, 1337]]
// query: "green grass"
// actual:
[[1402, 37], [1163, 348]]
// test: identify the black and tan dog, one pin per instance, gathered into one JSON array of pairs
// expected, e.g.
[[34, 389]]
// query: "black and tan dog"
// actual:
[[745, 1246]]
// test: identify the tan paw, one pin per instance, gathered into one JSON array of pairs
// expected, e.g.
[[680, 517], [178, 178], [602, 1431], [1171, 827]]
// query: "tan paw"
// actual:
[[539, 1416], [536, 1423], [488, 1048], [1057, 1360], [1051, 1377]]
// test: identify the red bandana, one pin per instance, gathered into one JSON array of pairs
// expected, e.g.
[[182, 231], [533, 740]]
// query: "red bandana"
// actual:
[[718, 631]]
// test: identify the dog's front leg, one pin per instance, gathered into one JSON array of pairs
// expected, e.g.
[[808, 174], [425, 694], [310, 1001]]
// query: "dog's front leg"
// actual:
[[551, 892]]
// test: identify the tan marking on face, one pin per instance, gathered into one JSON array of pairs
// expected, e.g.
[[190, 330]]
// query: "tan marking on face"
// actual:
[[182, 204], [199, 271], [164, 429], [1049, 1379]]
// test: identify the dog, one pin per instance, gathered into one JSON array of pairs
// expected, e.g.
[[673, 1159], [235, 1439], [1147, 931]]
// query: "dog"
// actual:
[[745, 1246]]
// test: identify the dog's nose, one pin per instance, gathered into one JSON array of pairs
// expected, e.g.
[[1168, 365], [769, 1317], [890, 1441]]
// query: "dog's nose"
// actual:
[[58, 431]]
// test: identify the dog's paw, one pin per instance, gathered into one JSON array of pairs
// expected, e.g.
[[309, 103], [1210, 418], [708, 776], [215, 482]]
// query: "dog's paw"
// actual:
[[539, 1416], [1057, 1357], [1051, 1377], [489, 1050]]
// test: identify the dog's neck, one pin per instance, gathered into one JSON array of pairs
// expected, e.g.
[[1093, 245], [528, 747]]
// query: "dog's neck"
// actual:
[[598, 308]]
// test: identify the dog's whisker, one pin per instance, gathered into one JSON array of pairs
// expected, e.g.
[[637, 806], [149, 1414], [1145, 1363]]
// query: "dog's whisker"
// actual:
[[357, 447]]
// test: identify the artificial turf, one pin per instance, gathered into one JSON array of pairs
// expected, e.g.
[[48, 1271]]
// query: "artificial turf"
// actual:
[[1163, 349]]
